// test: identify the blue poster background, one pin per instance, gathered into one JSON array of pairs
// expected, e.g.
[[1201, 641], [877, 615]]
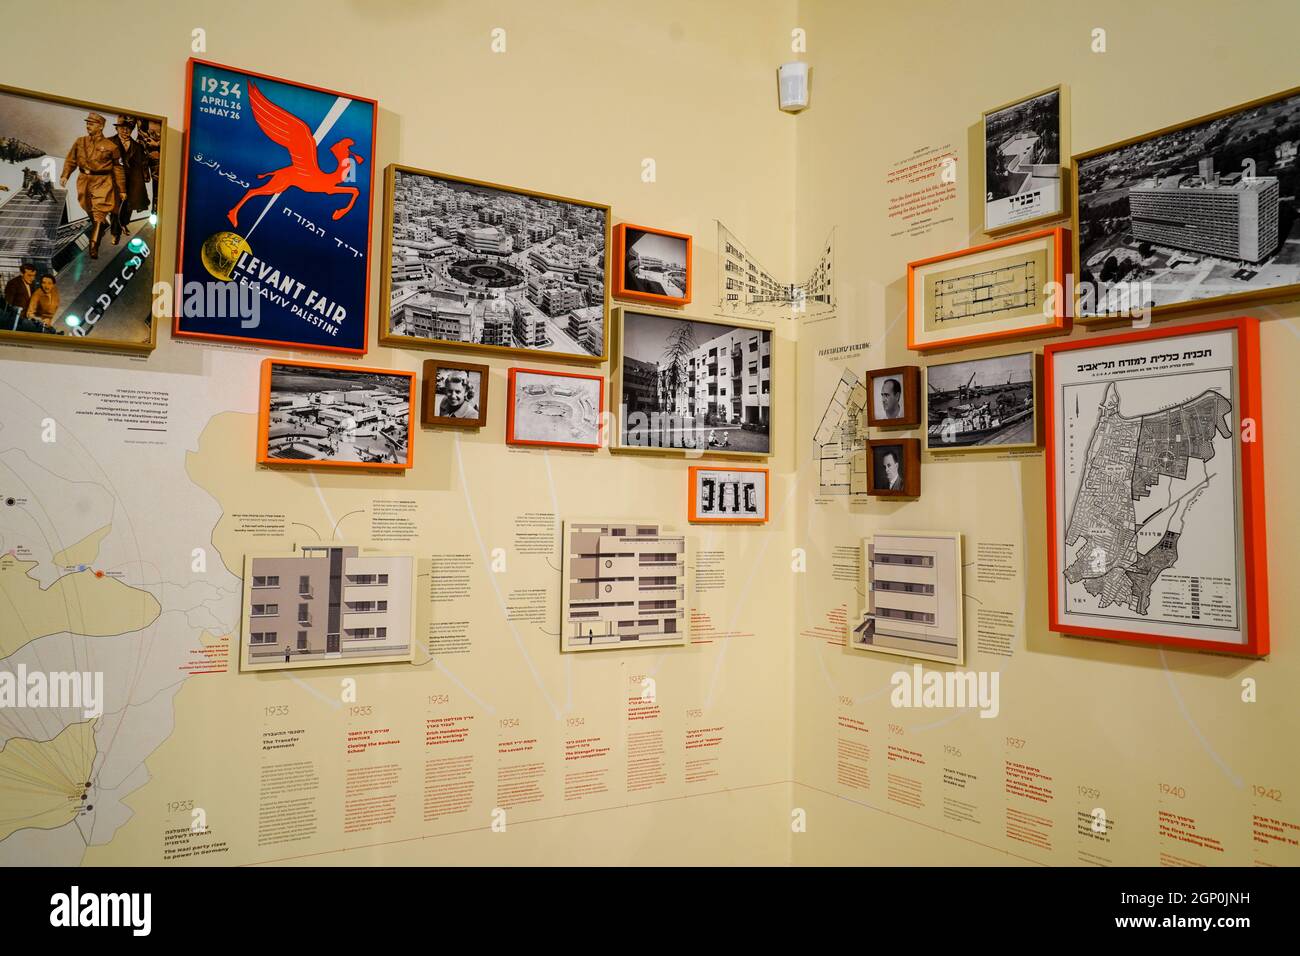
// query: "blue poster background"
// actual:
[[297, 243]]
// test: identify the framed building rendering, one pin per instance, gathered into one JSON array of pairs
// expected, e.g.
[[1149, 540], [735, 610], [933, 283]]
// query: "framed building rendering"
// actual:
[[81, 204], [492, 268], [988, 404], [652, 265], [327, 605], [729, 495], [1011, 288], [1155, 488], [687, 385], [623, 584], [276, 200], [912, 581], [1203, 214], [1025, 143]]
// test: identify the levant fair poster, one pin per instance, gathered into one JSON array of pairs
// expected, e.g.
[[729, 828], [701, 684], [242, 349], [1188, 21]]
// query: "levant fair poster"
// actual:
[[276, 206]]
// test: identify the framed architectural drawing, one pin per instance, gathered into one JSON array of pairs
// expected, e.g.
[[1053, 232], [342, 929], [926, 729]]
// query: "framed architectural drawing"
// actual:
[[652, 265], [81, 190], [455, 394], [894, 467], [327, 605], [475, 265], [689, 385], [1025, 142], [1199, 215], [912, 581], [1155, 488], [988, 404], [276, 200], [1011, 288], [623, 584], [560, 409], [335, 416], [729, 495], [895, 397]]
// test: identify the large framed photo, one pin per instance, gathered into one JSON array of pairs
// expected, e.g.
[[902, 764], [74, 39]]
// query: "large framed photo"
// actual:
[[559, 409], [983, 404], [1011, 288], [652, 265], [895, 397], [455, 394], [276, 201], [914, 602], [1199, 215], [894, 467], [493, 268], [80, 206], [335, 416], [1025, 142], [692, 385], [729, 495], [611, 566], [1155, 488], [327, 605]]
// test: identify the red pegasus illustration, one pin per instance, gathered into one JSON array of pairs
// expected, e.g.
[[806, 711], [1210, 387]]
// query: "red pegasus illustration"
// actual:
[[304, 171]]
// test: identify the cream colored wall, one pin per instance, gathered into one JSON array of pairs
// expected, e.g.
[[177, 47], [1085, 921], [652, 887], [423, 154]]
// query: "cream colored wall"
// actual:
[[889, 79], [582, 94]]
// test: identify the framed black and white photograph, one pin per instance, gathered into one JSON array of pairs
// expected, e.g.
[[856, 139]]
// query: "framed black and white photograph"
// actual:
[[983, 404], [559, 409], [455, 394], [1199, 215], [895, 395], [493, 268], [652, 265], [894, 467], [1024, 145], [692, 385]]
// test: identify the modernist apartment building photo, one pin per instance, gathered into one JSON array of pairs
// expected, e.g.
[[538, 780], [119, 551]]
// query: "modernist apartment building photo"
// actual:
[[695, 384], [327, 605], [1203, 211]]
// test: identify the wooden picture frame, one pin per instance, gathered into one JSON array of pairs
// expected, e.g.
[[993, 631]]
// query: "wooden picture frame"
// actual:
[[121, 273], [1009, 413], [732, 510], [645, 428], [478, 393], [556, 397], [619, 274], [1040, 197], [301, 440], [910, 462], [998, 276], [919, 610], [1217, 596], [464, 307], [1264, 169], [908, 378], [317, 265]]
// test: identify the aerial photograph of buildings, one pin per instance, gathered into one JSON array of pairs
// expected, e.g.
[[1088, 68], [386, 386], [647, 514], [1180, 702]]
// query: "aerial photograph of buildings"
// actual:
[[337, 415]]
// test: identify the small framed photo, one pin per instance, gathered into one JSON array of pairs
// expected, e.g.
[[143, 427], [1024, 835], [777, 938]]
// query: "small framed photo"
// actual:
[[455, 394], [335, 416], [894, 467], [729, 495], [1011, 288], [1024, 145], [652, 265], [983, 404], [559, 409], [914, 602], [895, 397]]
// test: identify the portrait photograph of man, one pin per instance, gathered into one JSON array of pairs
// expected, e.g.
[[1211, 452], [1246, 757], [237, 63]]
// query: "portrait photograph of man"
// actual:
[[895, 467], [894, 397]]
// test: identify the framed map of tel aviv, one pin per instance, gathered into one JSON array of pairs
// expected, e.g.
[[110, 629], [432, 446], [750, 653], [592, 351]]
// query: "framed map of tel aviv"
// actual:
[[1008, 289], [1155, 488], [1199, 215], [275, 211], [80, 206]]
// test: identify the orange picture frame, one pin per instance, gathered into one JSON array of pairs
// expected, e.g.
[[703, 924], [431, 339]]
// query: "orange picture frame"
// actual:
[[693, 511], [618, 266], [514, 439], [1255, 556], [264, 418], [1056, 319]]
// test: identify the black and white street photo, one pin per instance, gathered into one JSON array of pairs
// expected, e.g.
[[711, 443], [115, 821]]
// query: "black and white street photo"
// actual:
[[337, 415], [1022, 161], [491, 267], [985, 403]]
